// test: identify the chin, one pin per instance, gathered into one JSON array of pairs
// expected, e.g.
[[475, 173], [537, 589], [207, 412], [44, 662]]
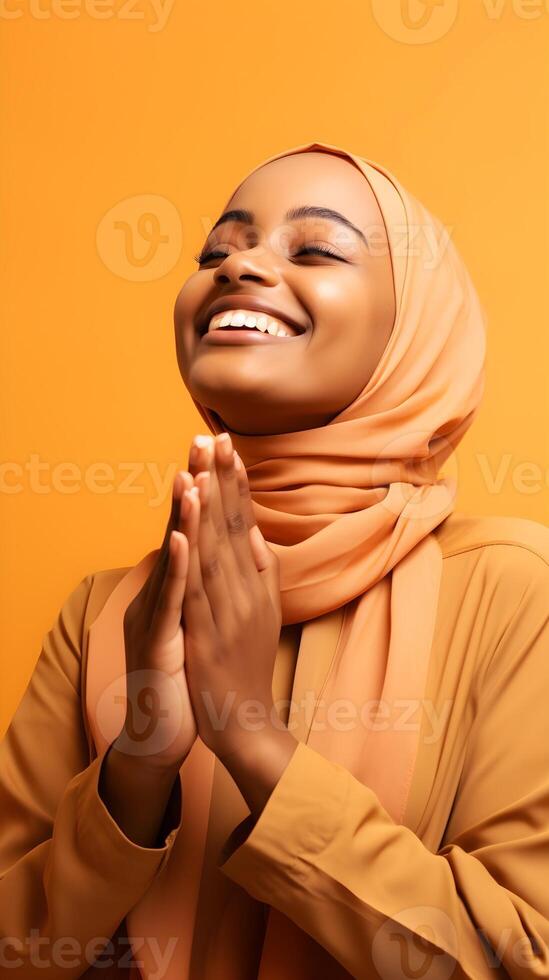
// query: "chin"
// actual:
[[228, 395], [226, 383]]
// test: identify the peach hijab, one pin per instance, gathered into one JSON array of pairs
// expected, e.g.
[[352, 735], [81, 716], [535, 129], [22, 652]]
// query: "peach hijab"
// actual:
[[349, 508]]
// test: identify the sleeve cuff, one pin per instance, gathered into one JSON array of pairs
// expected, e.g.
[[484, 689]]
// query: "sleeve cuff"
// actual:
[[108, 846], [299, 820]]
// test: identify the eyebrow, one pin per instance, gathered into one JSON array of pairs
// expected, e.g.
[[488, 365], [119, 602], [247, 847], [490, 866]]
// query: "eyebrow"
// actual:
[[294, 214]]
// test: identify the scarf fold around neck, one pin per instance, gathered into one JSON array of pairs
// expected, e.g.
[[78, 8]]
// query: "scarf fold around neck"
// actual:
[[349, 508]]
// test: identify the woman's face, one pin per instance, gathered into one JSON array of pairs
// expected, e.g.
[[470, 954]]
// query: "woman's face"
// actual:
[[338, 308]]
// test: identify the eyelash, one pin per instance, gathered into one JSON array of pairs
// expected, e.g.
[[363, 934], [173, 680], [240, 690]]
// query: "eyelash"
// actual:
[[203, 257]]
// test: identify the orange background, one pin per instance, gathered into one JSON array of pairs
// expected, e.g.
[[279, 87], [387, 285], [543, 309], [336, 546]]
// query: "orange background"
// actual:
[[112, 112]]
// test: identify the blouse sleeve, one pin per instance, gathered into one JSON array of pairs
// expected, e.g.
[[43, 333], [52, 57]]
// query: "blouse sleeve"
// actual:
[[325, 853], [68, 873]]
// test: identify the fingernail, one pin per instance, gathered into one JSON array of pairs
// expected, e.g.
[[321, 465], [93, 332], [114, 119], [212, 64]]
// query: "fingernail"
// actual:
[[202, 441], [224, 441]]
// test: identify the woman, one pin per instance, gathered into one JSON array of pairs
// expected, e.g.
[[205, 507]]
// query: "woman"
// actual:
[[367, 671]]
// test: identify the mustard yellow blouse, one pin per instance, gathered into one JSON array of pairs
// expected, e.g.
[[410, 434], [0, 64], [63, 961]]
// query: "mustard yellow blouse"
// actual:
[[323, 852]]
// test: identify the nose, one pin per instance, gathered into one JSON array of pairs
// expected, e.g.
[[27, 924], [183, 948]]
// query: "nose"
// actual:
[[247, 264]]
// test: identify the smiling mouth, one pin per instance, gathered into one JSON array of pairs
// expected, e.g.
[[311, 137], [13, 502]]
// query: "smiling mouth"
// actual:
[[249, 320], [251, 336], [256, 322]]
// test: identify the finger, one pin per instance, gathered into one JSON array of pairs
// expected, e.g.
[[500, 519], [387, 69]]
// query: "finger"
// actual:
[[197, 614], [260, 550], [246, 501], [156, 577], [214, 579], [232, 506], [265, 557], [267, 564], [166, 620], [182, 481], [200, 446], [202, 453]]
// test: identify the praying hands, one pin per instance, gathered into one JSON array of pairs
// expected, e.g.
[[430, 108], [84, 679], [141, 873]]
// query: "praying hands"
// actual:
[[207, 622]]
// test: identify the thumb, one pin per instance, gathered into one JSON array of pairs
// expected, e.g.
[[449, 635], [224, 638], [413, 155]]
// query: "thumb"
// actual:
[[266, 562], [261, 552]]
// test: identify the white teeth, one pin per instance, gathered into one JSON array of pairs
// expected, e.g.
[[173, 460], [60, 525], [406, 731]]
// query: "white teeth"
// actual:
[[245, 318]]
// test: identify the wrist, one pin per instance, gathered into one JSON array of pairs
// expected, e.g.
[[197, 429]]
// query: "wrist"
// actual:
[[151, 769], [257, 762]]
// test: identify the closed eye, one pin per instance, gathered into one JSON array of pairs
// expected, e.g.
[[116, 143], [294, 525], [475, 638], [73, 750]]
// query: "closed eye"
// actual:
[[319, 250], [204, 257]]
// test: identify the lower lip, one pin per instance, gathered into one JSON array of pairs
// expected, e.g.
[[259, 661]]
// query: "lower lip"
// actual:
[[245, 336]]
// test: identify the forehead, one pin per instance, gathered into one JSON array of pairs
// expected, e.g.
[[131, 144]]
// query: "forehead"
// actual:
[[308, 178]]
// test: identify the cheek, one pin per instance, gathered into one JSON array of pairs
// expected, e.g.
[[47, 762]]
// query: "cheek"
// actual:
[[189, 301], [344, 309], [329, 291], [349, 332], [338, 299]]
